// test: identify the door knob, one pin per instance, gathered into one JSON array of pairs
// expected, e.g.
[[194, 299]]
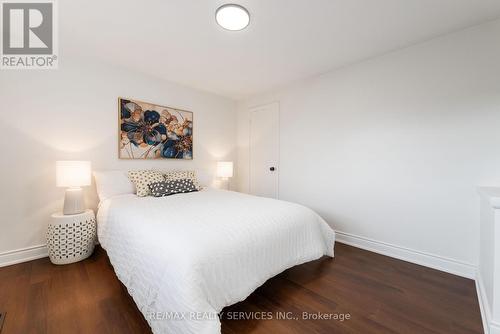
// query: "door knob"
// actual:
[[272, 169]]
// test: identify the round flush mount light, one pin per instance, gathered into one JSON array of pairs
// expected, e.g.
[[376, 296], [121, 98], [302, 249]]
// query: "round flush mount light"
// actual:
[[232, 17]]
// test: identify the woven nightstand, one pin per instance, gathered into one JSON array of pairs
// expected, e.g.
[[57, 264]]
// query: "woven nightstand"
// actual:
[[71, 238]]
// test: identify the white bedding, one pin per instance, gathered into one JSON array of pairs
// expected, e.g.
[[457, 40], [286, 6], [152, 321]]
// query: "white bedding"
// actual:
[[185, 257]]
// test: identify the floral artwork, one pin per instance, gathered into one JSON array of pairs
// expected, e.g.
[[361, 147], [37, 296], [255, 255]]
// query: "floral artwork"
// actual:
[[149, 131]]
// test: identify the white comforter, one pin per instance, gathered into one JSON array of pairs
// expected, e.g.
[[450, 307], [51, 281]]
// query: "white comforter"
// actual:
[[185, 257]]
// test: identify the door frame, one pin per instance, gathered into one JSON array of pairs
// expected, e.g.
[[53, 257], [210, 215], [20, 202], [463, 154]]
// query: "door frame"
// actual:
[[250, 111]]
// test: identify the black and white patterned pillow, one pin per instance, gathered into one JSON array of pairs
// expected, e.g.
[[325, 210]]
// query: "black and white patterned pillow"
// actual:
[[142, 178], [167, 188], [181, 174]]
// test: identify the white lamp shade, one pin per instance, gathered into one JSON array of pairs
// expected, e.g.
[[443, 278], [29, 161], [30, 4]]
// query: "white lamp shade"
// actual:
[[225, 169], [72, 173]]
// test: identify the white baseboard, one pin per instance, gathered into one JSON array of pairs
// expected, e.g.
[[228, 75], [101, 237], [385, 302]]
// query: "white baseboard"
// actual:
[[410, 255], [23, 255], [483, 304], [490, 326], [398, 252]]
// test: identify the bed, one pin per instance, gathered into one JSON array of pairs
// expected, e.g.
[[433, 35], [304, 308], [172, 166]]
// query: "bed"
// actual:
[[183, 258]]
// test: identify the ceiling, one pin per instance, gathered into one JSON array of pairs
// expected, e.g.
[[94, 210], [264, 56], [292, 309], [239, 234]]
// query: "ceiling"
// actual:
[[179, 41]]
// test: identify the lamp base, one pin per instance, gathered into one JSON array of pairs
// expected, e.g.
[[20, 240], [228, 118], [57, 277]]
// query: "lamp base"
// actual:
[[73, 201]]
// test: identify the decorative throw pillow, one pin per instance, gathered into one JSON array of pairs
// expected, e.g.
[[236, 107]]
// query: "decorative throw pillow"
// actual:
[[182, 175], [141, 179], [167, 188]]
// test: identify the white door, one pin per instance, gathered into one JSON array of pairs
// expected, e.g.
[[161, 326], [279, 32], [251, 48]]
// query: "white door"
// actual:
[[264, 150]]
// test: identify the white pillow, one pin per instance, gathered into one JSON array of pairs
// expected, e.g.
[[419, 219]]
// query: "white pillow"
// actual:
[[204, 178], [112, 183]]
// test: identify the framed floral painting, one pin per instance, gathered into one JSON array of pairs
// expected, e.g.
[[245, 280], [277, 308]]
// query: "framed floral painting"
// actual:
[[150, 131]]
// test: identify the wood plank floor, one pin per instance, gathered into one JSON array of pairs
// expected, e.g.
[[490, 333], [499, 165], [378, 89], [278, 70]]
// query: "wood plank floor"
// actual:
[[380, 294]]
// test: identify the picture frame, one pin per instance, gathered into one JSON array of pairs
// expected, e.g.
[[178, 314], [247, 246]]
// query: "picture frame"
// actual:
[[152, 131]]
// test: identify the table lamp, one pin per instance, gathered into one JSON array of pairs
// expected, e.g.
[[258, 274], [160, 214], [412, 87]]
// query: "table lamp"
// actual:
[[225, 171], [73, 175]]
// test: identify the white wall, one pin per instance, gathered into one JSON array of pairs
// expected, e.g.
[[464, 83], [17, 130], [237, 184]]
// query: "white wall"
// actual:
[[71, 113], [392, 149]]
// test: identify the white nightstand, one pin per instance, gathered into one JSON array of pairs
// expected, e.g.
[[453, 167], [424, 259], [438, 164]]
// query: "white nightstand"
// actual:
[[71, 238]]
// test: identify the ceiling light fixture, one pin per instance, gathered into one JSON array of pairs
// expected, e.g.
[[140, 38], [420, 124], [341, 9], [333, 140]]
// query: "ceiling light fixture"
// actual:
[[232, 17]]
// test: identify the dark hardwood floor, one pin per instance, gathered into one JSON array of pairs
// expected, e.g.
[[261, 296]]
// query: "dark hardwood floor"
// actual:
[[378, 293]]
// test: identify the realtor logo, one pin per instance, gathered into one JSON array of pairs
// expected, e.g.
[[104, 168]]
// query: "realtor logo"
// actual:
[[28, 35]]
